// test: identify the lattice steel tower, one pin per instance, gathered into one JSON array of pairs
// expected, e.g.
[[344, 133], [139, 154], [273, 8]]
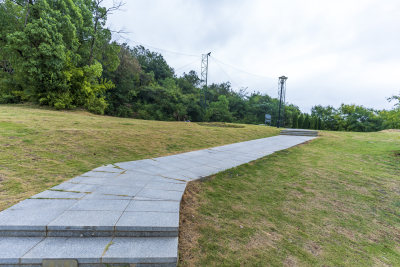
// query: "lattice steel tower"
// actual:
[[204, 76], [282, 96]]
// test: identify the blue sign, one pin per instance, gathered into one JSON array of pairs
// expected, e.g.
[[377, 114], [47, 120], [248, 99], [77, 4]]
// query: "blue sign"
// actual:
[[268, 119]]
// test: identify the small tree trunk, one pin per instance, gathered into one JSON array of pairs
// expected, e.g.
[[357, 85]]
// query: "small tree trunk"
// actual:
[[28, 3], [93, 42]]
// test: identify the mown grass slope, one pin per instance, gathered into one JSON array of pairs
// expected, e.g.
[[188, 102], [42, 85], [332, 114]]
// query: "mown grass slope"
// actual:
[[332, 202], [40, 148]]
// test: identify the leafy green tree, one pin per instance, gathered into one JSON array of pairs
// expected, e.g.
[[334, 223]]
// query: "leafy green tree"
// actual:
[[391, 118], [258, 105], [295, 119], [313, 123], [10, 20], [126, 77], [359, 118], [306, 123], [189, 82], [328, 115], [290, 110], [320, 124], [219, 110], [153, 62], [46, 49], [39, 55], [301, 121]]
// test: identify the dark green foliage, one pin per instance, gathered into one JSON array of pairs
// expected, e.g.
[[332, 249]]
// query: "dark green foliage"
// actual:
[[350, 118], [127, 80], [47, 48], [306, 122], [313, 123], [60, 54], [153, 62], [320, 124], [301, 121], [219, 110], [295, 119]]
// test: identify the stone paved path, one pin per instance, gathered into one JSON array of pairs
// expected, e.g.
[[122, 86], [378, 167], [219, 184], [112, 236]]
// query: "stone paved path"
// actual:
[[119, 213]]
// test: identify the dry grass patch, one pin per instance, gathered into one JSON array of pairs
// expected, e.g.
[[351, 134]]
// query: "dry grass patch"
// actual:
[[40, 148]]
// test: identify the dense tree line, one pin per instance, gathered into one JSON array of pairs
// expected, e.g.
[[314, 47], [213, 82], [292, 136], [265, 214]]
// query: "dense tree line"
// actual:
[[349, 118], [60, 54]]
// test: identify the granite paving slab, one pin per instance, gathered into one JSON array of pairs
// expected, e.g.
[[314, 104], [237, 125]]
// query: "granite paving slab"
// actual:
[[142, 250], [54, 194], [148, 221], [154, 205], [85, 250], [101, 205], [13, 248], [122, 213], [102, 220]]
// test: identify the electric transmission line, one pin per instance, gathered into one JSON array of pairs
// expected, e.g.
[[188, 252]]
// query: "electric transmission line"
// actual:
[[204, 72], [165, 50]]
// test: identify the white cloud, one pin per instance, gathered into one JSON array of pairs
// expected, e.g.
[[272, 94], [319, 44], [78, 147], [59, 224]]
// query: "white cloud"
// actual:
[[333, 51]]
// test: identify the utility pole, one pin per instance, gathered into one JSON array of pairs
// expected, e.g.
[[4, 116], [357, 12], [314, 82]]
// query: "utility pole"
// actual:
[[282, 95], [204, 76]]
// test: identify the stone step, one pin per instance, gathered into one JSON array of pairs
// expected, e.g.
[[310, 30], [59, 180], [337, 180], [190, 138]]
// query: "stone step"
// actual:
[[296, 131], [299, 132], [91, 218], [94, 251]]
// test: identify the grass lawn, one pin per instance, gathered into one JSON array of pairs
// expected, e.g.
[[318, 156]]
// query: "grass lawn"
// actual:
[[40, 148], [332, 202]]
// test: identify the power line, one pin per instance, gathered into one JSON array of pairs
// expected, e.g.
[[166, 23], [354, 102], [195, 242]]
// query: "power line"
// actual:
[[238, 69], [165, 50], [184, 66], [198, 56], [227, 75], [267, 88], [219, 62]]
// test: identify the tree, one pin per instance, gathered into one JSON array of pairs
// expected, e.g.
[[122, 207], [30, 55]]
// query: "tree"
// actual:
[[313, 123], [100, 14], [127, 82], [306, 123], [328, 115], [395, 98], [391, 118], [320, 124], [359, 118], [301, 121], [47, 54], [219, 110], [295, 120], [153, 62], [10, 85]]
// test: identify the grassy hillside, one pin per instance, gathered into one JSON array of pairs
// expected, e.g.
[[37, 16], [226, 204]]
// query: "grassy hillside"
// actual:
[[332, 202], [40, 148]]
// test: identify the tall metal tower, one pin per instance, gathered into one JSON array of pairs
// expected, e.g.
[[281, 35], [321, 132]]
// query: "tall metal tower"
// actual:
[[282, 96], [204, 76]]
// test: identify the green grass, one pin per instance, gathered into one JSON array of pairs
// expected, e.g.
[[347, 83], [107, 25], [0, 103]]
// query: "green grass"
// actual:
[[332, 202], [40, 148]]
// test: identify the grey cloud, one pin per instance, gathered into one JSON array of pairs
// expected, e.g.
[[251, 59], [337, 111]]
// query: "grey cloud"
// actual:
[[332, 51]]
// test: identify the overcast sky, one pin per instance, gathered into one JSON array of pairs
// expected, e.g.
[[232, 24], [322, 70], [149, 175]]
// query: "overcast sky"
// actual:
[[342, 51]]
